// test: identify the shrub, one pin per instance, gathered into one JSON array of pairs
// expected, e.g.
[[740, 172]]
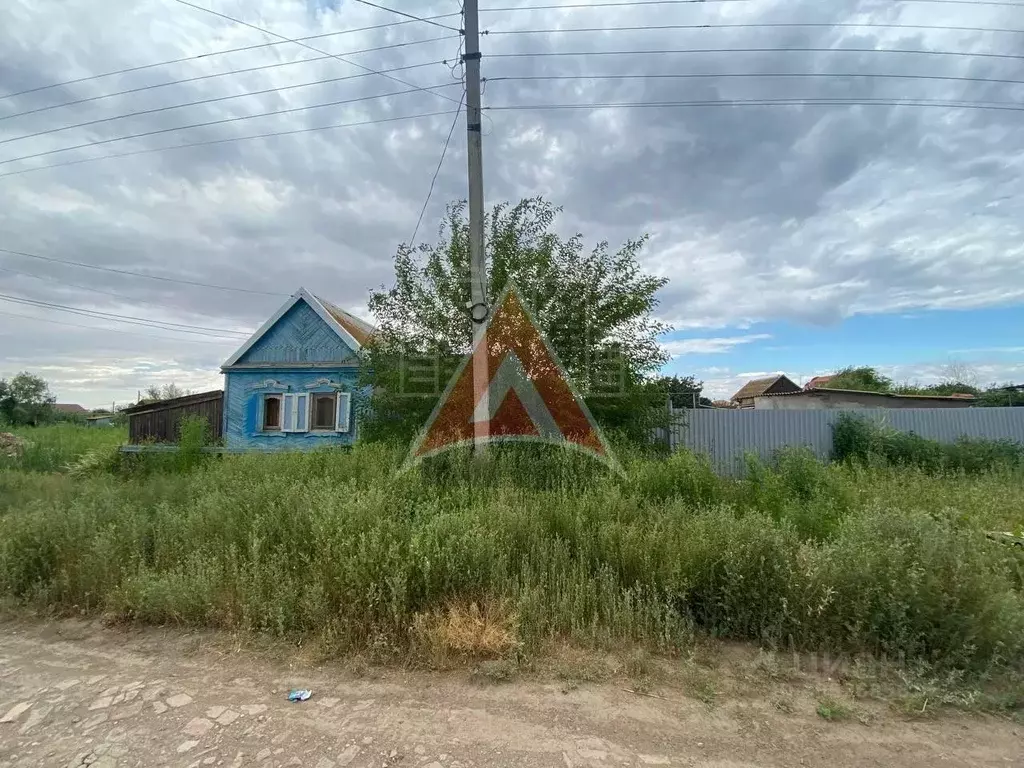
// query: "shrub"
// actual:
[[856, 439], [482, 560]]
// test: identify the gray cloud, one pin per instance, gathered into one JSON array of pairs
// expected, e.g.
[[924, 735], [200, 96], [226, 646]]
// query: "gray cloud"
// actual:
[[805, 213]]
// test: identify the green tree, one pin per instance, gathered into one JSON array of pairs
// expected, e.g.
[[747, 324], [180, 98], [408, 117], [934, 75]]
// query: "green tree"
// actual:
[[25, 399], [863, 379], [595, 306], [165, 392], [684, 391]]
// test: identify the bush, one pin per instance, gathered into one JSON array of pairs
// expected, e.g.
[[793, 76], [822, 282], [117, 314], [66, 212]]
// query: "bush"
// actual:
[[856, 439]]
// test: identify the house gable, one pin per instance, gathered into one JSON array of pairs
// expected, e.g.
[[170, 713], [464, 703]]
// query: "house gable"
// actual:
[[301, 333]]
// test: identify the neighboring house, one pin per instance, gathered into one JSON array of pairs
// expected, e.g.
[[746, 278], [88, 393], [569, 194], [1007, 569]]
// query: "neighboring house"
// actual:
[[771, 385], [293, 384], [71, 409], [818, 381], [100, 420], [833, 399]]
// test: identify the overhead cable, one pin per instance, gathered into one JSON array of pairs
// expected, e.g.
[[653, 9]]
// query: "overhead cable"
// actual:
[[546, 54], [169, 62], [222, 121], [312, 48], [36, 319], [127, 319], [213, 100], [161, 278], [426, 20], [229, 140], [1008, 106], [430, 191], [242, 71]]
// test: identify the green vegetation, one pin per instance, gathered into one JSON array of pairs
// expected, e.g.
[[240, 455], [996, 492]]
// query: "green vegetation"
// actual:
[[959, 379], [855, 438], [596, 308], [55, 447], [500, 558]]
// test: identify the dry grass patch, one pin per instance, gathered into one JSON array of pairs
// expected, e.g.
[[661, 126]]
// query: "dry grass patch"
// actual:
[[485, 630]]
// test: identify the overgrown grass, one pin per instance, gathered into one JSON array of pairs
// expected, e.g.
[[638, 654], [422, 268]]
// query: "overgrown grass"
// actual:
[[855, 438], [531, 546], [53, 448]]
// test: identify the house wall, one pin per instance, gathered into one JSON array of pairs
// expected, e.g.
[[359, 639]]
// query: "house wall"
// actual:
[[299, 336], [243, 402], [824, 401]]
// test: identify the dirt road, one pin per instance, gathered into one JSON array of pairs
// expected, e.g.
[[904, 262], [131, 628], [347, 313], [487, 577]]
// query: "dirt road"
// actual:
[[76, 694]]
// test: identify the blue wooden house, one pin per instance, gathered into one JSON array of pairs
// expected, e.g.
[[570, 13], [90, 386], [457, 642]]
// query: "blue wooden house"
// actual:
[[293, 384]]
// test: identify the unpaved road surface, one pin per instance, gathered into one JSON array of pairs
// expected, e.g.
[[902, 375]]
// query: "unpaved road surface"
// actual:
[[76, 694]]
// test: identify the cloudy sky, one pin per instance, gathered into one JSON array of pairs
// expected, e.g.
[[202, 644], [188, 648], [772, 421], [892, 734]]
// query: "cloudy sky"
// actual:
[[797, 237]]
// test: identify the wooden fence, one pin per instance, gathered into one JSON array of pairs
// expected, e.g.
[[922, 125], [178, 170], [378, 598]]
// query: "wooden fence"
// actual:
[[160, 422]]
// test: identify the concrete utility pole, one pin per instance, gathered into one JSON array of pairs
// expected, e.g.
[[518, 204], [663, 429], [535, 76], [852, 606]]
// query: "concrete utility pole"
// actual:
[[477, 262]]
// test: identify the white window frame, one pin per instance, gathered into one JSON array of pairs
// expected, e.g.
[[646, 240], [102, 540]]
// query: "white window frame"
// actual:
[[309, 420], [280, 414], [293, 425], [343, 415]]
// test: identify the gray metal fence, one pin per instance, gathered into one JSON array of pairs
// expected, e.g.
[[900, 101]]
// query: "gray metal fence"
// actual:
[[725, 435]]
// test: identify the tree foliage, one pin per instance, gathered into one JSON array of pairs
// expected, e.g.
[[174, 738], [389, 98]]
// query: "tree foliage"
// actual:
[[959, 378], [683, 391], [595, 307], [25, 399], [862, 379], [164, 392]]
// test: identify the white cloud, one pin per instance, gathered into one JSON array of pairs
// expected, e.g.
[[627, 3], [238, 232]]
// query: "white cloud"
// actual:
[[680, 347], [803, 214]]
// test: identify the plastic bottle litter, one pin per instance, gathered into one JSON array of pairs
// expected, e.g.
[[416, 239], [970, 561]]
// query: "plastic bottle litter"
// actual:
[[300, 694]]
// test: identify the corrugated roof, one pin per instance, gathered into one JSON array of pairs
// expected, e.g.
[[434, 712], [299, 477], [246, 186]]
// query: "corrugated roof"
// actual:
[[756, 387], [360, 329], [829, 390]]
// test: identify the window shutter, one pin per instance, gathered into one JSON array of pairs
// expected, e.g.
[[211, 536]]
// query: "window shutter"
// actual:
[[344, 403], [301, 413], [287, 409]]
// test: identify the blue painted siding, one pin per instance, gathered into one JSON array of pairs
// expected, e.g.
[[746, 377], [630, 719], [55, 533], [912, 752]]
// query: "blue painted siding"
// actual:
[[300, 336], [243, 401]]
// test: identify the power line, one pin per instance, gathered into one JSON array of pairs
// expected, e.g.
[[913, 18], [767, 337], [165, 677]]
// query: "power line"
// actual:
[[312, 48], [430, 191], [839, 101], [633, 3], [91, 289], [65, 282], [697, 75], [136, 274], [182, 60], [242, 71], [127, 319], [539, 54], [208, 101], [755, 25], [212, 142], [222, 121], [570, 6], [113, 330], [408, 15]]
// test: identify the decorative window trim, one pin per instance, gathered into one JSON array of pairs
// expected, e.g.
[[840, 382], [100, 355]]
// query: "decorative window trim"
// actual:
[[270, 384], [262, 425]]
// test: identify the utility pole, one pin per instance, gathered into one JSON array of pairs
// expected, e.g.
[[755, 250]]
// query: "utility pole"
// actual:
[[478, 308]]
